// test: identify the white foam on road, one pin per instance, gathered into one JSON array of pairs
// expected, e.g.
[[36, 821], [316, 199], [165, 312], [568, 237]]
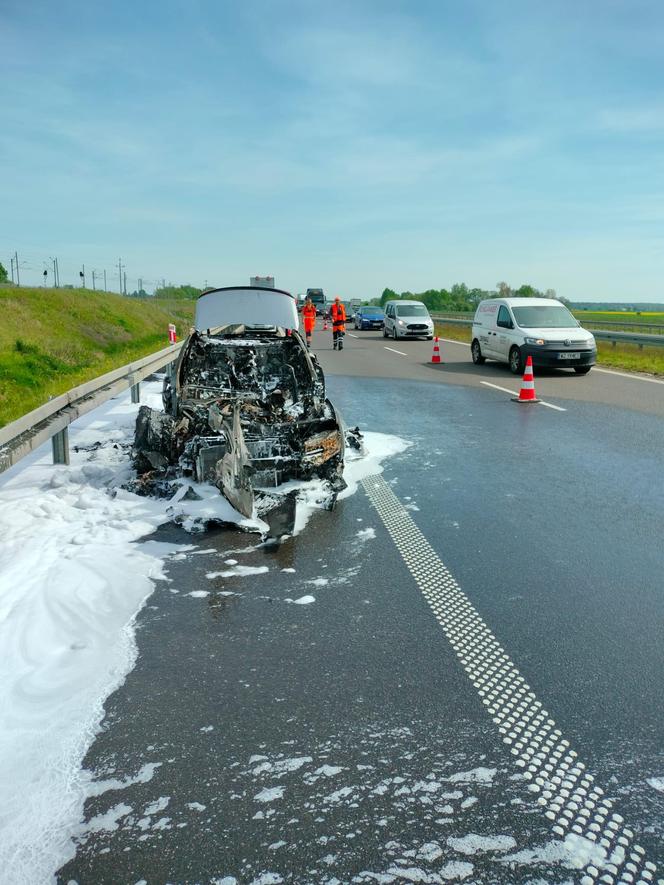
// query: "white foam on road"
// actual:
[[72, 580], [239, 571]]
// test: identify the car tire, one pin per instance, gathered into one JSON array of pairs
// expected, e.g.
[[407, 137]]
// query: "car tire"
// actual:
[[394, 334], [516, 361], [384, 332], [476, 353], [582, 370], [429, 337]]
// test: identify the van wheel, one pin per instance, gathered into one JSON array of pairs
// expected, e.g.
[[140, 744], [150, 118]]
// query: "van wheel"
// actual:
[[516, 362], [476, 353], [394, 333], [384, 332], [582, 370]]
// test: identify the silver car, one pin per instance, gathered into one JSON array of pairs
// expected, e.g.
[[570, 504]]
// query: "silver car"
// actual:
[[407, 319]]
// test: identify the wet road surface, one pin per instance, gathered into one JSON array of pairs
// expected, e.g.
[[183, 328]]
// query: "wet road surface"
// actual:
[[340, 739]]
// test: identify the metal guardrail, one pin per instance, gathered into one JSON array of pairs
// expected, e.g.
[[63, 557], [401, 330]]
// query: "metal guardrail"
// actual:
[[626, 325], [629, 338], [600, 334], [51, 420], [657, 328]]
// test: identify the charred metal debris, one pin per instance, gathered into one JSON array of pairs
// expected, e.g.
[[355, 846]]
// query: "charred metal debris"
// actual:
[[244, 409]]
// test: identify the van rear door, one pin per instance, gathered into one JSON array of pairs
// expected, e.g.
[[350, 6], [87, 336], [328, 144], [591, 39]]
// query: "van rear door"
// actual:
[[485, 327]]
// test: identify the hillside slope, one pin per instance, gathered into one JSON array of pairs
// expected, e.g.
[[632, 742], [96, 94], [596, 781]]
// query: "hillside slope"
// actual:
[[53, 339]]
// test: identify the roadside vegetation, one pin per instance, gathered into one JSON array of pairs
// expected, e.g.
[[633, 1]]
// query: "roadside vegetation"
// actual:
[[53, 339]]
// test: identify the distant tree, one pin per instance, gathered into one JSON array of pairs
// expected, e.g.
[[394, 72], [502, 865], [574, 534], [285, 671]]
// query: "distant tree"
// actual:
[[527, 291], [460, 297], [3, 273], [551, 293]]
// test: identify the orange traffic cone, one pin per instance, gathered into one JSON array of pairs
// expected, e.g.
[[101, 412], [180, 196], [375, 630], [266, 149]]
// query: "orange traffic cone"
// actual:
[[527, 392], [435, 356]]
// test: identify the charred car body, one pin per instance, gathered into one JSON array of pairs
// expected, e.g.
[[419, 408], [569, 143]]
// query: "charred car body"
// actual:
[[244, 406]]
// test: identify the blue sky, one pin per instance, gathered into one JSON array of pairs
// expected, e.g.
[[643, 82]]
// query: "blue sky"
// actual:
[[348, 145]]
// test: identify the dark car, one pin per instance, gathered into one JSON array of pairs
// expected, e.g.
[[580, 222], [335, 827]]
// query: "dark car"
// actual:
[[369, 318]]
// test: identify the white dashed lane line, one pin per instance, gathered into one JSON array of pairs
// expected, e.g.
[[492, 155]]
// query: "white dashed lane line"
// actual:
[[353, 336], [516, 393], [599, 842], [627, 375], [400, 352]]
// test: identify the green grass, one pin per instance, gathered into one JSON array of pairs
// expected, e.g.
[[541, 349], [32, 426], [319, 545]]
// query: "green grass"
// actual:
[[53, 339], [622, 356]]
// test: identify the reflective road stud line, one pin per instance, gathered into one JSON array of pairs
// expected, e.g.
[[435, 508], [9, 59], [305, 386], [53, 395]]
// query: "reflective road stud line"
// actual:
[[435, 357], [527, 392], [598, 841]]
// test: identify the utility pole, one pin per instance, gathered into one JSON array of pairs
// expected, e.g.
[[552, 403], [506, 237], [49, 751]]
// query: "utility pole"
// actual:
[[105, 289], [120, 273], [125, 282], [55, 272], [81, 274], [57, 268], [140, 285], [18, 276], [11, 264], [93, 281]]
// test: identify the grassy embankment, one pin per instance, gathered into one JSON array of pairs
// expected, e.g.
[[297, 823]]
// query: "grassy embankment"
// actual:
[[622, 356], [53, 339]]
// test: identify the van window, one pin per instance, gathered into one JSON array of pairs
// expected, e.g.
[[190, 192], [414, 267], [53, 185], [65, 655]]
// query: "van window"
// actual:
[[411, 310], [544, 316], [504, 319]]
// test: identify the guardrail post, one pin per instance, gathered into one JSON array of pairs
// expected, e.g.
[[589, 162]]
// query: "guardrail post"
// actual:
[[60, 441], [136, 393]]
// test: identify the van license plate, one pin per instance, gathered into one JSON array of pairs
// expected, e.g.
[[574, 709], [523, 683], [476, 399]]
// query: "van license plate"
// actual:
[[569, 356]]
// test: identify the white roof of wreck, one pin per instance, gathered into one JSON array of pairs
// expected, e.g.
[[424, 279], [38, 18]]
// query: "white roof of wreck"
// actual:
[[246, 305]]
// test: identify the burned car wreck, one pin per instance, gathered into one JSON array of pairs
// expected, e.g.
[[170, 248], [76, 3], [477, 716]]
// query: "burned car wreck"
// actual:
[[244, 409]]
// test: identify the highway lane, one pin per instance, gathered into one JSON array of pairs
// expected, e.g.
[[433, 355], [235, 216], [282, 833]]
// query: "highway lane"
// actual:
[[369, 354], [342, 740]]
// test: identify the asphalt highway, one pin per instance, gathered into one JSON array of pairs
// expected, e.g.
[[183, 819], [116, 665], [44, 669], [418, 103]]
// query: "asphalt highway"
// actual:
[[365, 704], [369, 354]]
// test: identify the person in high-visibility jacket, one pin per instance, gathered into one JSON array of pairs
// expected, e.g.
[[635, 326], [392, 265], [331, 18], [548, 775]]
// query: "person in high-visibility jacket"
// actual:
[[338, 313], [309, 318]]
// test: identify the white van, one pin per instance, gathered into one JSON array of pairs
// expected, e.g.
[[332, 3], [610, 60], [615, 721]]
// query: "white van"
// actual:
[[511, 329], [407, 319]]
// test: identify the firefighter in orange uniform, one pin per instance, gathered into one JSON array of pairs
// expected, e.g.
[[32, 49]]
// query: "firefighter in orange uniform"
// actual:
[[338, 312], [309, 317]]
